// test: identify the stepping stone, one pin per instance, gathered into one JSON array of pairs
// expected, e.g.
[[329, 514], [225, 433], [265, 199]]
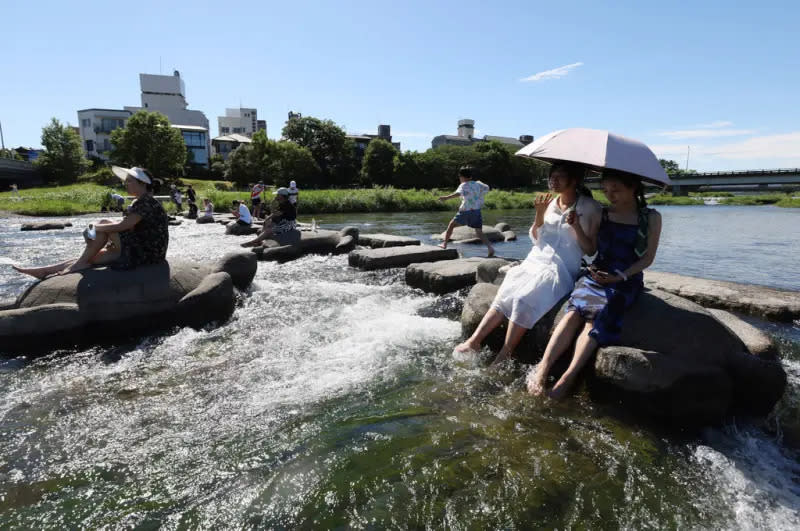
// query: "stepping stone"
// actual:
[[44, 226], [463, 234], [761, 301], [386, 240], [389, 257], [446, 276]]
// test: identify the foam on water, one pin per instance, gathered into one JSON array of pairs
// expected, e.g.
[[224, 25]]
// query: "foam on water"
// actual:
[[332, 399]]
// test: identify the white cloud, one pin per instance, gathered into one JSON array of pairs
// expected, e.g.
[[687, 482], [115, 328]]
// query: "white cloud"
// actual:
[[555, 73], [767, 151], [718, 123], [705, 133]]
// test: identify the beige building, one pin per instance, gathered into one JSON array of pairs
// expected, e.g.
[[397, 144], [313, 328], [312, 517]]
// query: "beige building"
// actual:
[[241, 121]]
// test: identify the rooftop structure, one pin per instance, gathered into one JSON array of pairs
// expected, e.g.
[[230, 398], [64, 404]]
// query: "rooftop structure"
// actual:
[[466, 137]]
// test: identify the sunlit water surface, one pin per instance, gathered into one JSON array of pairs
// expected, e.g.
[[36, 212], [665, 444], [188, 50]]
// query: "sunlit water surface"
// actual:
[[332, 399]]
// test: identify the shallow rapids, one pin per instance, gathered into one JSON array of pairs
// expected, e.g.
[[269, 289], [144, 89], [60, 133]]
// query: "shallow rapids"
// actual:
[[332, 399]]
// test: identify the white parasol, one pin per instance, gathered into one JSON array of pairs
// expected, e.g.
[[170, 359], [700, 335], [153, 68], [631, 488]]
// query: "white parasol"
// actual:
[[600, 149]]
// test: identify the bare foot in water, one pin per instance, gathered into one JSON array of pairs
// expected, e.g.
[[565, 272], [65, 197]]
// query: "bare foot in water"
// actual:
[[443, 245], [537, 381], [560, 389], [467, 346], [491, 253], [501, 357]]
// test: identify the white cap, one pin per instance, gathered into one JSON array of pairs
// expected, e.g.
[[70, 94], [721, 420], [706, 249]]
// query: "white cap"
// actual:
[[292, 184], [137, 173]]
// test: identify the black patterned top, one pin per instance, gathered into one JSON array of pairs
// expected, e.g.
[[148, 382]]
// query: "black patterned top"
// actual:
[[147, 241]]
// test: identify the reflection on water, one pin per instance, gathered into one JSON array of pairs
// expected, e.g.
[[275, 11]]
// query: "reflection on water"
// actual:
[[331, 399]]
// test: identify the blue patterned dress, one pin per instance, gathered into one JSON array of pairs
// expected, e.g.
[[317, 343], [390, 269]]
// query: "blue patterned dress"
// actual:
[[606, 305]]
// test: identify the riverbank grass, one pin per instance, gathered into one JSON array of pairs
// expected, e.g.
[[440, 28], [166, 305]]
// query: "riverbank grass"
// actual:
[[86, 197]]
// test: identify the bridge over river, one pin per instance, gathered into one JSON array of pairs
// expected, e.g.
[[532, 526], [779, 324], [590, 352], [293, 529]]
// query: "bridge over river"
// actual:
[[735, 180]]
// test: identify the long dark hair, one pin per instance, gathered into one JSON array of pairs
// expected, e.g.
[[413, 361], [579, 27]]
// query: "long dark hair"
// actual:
[[629, 180], [574, 171]]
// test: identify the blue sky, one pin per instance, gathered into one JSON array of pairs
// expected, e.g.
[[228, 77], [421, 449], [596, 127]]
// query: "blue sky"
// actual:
[[721, 77]]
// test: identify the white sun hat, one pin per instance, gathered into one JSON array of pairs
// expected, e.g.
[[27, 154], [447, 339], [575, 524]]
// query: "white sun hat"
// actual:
[[137, 173]]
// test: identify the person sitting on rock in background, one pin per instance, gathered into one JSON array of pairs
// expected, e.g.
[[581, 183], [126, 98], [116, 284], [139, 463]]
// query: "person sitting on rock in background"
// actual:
[[208, 208], [190, 193], [469, 213], [176, 197], [280, 220], [293, 193], [627, 241], [563, 231], [255, 199], [141, 237], [241, 213]]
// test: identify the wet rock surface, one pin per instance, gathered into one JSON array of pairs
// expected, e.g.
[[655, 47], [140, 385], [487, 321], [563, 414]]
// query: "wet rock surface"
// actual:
[[44, 226], [98, 304], [448, 275], [463, 234], [399, 256], [675, 360], [386, 240], [294, 244], [761, 301]]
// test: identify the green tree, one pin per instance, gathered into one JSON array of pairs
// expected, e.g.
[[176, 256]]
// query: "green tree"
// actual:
[[244, 166], [9, 154], [670, 166], [62, 160], [378, 164], [287, 161], [328, 146], [148, 141]]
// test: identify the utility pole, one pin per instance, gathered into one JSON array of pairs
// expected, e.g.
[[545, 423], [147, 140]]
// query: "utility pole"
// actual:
[[687, 158], [2, 141]]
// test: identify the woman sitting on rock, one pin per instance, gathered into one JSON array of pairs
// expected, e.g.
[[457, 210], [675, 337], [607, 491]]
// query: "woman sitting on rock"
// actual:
[[208, 211], [280, 220], [627, 241], [563, 231], [138, 239]]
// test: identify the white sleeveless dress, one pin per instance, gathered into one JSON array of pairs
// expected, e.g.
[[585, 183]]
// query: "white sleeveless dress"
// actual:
[[549, 271]]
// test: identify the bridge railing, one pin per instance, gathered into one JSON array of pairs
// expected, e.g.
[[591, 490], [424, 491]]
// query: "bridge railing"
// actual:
[[776, 171]]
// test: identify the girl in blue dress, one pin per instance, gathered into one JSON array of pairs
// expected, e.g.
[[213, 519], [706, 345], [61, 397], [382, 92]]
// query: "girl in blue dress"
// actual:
[[627, 241]]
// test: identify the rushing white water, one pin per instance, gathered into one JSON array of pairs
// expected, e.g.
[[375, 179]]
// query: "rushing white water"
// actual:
[[331, 399]]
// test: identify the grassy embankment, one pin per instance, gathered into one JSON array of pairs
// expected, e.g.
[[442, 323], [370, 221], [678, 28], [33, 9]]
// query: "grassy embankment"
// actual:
[[87, 196]]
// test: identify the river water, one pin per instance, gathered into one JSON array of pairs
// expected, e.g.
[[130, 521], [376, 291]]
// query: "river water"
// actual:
[[332, 399]]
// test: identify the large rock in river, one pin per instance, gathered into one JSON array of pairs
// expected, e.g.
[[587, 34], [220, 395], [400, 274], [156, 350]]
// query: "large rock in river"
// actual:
[[237, 229], [463, 234], [447, 275], [294, 244], [675, 360], [102, 304], [389, 257]]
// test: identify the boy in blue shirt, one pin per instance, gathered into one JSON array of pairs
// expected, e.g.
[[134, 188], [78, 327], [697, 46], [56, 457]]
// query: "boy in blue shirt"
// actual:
[[469, 213]]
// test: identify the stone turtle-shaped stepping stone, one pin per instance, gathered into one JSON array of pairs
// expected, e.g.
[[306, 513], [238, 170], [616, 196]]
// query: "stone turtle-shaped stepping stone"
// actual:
[[379, 240], [389, 257], [447, 275]]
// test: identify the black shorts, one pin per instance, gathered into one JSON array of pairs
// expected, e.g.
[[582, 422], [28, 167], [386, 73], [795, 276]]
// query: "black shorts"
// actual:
[[242, 223], [256, 201]]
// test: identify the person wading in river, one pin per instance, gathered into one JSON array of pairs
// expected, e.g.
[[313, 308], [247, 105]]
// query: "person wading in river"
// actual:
[[472, 194]]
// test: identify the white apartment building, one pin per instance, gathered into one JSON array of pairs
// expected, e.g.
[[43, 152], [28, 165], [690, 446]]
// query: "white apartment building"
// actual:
[[241, 121], [95, 126], [165, 94]]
